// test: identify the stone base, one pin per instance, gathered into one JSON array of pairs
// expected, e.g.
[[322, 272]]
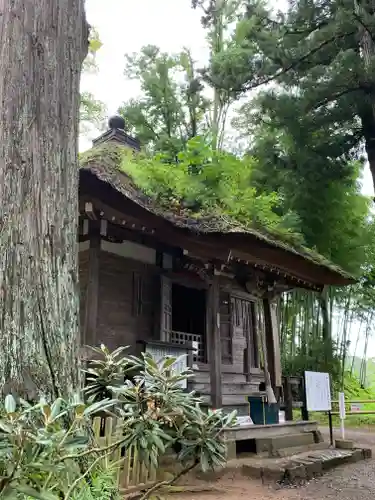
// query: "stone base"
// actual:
[[243, 432], [268, 440], [272, 445], [293, 469], [344, 444], [287, 452], [300, 467]]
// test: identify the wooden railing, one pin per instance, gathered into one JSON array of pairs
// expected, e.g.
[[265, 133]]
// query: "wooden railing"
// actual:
[[349, 402], [188, 338], [132, 474]]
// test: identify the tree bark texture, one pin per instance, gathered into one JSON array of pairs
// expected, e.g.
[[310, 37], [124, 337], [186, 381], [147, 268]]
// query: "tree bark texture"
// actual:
[[42, 47]]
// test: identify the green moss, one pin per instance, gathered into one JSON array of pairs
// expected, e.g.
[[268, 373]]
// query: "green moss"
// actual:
[[105, 154]]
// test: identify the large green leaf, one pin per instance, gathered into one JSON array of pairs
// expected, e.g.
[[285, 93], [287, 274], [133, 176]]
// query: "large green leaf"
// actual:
[[31, 492], [5, 427], [99, 406], [76, 442]]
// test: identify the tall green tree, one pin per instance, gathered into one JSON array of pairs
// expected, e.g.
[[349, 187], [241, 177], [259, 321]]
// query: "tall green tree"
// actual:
[[314, 118], [316, 184], [328, 209], [320, 56], [173, 107], [217, 18], [178, 101]]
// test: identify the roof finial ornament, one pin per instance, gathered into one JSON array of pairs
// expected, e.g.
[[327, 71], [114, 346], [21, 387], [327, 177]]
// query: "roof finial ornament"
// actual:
[[116, 122], [116, 133]]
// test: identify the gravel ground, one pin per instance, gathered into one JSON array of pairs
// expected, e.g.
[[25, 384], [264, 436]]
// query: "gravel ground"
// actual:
[[348, 482], [364, 436]]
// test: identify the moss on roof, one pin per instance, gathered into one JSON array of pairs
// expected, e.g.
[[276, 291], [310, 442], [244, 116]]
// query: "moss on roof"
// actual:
[[105, 162]]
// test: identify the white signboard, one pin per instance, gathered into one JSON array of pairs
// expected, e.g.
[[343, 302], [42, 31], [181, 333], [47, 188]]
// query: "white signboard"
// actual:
[[159, 352], [318, 391], [355, 407]]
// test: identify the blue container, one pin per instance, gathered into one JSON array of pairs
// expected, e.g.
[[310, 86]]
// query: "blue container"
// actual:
[[261, 412]]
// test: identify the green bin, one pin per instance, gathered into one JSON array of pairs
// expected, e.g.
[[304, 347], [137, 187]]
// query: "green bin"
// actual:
[[261, 412]]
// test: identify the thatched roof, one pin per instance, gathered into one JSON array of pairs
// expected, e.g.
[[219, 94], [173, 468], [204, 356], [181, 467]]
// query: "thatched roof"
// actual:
[[104, 163]]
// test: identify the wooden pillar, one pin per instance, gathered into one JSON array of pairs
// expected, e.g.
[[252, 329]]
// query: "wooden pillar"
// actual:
[[92, 292], [272, 344], [250, 352], [214, 343], [288, 397], [165, 309]]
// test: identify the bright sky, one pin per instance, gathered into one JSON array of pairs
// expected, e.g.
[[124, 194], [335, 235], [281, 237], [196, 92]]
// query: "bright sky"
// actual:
[[125, 26]]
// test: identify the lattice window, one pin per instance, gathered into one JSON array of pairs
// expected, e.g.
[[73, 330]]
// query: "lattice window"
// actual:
[[187, 338]]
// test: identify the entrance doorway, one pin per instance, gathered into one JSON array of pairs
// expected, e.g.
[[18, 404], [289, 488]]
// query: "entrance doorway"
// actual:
[[189, 318]]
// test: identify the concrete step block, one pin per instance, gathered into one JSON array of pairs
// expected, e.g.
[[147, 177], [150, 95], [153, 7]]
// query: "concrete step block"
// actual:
[[344, 444], [287, 452], [300, 467], [273, 444]]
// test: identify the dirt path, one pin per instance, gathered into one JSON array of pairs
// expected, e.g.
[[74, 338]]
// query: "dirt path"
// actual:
[[364, 436], [348, 482]]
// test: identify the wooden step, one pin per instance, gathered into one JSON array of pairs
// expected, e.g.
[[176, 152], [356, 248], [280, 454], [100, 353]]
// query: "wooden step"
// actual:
[[228, 400]]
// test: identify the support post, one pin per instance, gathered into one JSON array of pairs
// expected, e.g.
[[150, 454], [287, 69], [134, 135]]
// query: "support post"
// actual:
[[272, 345], [288, 400], [304, 410], [214, 342], [92, 292], [330, 427]]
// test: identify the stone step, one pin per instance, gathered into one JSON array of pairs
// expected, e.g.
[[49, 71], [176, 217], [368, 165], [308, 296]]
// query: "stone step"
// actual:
[[294, 450], [271, 444], [301, 466]]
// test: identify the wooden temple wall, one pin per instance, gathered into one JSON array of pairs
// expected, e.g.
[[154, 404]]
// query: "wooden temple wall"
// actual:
[[128, 293]]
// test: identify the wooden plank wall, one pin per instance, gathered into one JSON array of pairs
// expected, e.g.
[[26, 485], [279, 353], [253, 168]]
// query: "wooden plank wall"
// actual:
[[92, 298], [126, 311], [126, 300]]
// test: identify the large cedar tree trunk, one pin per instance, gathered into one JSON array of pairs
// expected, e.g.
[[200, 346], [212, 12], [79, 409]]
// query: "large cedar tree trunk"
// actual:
[[42, 47]]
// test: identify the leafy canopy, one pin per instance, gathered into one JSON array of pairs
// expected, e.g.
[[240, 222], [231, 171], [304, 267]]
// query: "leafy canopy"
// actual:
[[322, 191], [321, 56], [173, 107]]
